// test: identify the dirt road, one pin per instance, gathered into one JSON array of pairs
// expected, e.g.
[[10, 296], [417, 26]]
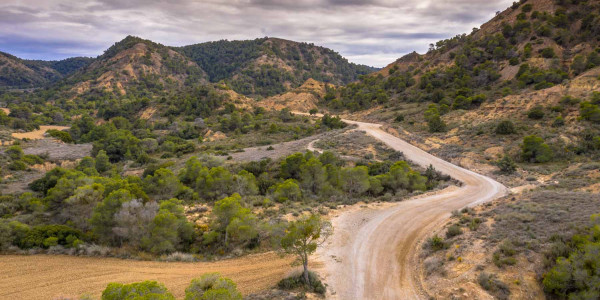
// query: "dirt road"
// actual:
[[373, 253], [55, 276]]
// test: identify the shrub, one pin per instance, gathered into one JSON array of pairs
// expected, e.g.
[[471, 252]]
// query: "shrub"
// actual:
[[548, 52], [14, 152], [139, 290], [212, 286], [536, 113], [453, 231], [506, 165], [399, 118], [535, 150], [505, 127], [17, 165], [436, 243], [296, 281], [558, 122], [61, 135], [492, 284]]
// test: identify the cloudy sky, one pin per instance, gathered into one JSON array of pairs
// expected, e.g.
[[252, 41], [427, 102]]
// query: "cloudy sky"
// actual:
[[373, 32]]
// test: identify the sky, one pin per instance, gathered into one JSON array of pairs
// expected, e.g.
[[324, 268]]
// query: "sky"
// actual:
[[371, 32]]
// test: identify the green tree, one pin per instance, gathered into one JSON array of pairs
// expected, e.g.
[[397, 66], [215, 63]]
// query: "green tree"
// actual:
[[355, 181], [102, 162], [232, 221], [212, 286], [290, 166], [287, 190], [163, 184], [170, 230], [312, 175], [533, 149], [303, 236], [103, 221]]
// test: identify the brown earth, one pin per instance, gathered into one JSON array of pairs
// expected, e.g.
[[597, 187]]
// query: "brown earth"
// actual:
[[37, 134], [302, 99], [51, 277]]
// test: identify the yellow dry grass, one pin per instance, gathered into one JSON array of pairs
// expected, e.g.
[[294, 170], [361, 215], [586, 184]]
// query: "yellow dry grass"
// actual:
[[37, 134], [5, 110], [50, 277]]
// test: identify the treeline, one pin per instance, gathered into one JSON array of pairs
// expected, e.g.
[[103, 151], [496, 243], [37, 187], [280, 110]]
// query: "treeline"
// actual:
[[92, 204]]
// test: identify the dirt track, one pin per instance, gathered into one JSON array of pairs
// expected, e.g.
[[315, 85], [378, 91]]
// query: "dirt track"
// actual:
[[51, 277], [373, 253]]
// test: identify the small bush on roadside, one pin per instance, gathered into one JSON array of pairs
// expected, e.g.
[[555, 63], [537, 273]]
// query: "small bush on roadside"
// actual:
[[492, 284], [453, 231], [297, 281]]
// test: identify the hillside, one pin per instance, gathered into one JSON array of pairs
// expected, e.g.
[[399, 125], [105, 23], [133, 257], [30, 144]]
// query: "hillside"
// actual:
[[270, 66], [137, 66], [21, 73]]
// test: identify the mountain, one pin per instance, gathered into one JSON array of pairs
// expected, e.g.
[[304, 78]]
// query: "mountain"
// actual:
[[270, 66], [534, 45], [21, 73], [138, 66]]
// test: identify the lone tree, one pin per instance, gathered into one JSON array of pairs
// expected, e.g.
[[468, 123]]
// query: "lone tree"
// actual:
[[303, 236]]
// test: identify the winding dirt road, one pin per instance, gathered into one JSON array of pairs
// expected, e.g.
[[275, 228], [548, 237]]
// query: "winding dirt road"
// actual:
[[373, 253]]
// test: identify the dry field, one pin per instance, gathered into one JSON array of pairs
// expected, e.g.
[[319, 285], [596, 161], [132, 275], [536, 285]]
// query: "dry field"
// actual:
[[51, 277], [38, 134]]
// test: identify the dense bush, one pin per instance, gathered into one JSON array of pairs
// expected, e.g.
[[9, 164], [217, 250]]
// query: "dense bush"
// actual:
[[533, 149], [297, 281], [139, 290], [505, 127], [212, 286]]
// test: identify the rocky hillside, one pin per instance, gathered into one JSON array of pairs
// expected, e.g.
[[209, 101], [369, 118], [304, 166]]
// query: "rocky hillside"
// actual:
[[136, 66], [532, 45], [270, 66]]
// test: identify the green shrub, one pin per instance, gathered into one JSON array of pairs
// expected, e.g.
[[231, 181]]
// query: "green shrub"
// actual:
[[146, 290], [558, 122], [436, 243], [31, 159], [548, 52], [297, 281], [212, 286], [14, 152], [536, 113], [535, 150], [17, 165], [505, 127], [506, 165], [453, 231], [64, 136]]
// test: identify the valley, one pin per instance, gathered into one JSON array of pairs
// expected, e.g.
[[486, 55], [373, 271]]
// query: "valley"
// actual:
[[272, 169]]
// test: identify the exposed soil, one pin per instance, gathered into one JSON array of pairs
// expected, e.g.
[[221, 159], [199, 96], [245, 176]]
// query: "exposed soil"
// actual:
[[37, 134], [51, 277]]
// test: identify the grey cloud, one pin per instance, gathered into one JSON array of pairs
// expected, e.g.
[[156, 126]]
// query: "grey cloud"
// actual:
[[368, 31]]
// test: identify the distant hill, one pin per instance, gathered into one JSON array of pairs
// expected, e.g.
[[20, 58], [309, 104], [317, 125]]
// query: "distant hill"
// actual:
[[138, 66], [21, 73], [270, 66], [533, 45]]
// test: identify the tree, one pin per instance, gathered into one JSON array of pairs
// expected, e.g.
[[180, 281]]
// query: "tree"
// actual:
[[287, 190], [103, 221], [290, 167], [163, 184], [132, 221], [169, 230], [355, 181], [231, 219], [312, 175], [79, 207], [146, 290], [102, 162], [302, 237], [535, 150], [212, 286]]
